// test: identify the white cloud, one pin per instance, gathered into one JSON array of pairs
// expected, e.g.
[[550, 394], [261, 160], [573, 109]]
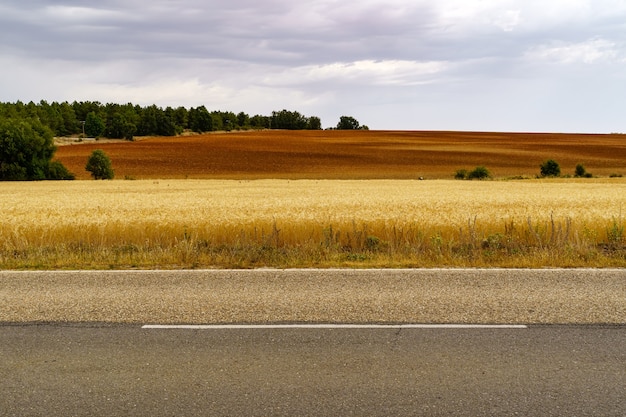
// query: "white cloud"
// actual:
[[366, 72], [507, 20], [588, 52], [82, 15]]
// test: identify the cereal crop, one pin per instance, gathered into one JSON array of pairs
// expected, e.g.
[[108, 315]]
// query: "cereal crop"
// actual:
[[293, 223]]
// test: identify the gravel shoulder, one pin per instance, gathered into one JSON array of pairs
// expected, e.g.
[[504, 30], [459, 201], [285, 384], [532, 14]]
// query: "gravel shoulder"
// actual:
[[550, 296]]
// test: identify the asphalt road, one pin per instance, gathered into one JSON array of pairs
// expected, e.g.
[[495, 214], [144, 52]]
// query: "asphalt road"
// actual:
[[524, 296], [124, 370], [72, 344]]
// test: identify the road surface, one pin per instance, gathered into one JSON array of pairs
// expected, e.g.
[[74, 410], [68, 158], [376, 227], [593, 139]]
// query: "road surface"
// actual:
[[72, 343], [547, 296], [121, 370]]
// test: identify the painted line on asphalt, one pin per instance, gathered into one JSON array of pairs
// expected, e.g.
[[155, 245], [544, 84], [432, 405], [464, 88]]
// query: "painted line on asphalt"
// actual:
[[329, 326]]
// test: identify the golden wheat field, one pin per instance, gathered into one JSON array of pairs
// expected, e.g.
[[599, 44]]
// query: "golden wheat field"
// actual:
[[291, 223]]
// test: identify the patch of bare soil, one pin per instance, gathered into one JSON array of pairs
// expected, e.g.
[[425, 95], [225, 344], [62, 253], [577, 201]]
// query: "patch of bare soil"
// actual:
[[350, 154]]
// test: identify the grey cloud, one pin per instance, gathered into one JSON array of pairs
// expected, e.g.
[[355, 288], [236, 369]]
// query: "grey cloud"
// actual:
[[277, 32], [369, 55]]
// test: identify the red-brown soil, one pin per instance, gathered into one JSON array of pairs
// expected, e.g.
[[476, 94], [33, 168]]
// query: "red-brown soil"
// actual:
[[350, 154]]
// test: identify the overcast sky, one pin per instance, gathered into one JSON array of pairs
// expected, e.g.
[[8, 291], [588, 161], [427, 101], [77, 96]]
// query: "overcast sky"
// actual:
[[496, 65]]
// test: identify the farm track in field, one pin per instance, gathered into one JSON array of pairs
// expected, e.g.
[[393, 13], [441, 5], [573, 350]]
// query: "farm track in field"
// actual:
[[349, 154]]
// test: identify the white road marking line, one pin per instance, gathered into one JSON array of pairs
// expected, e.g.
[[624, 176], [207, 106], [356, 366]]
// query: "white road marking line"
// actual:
[[331, 326]]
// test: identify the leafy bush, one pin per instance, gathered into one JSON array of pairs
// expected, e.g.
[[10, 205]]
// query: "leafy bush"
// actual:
[[581, 172], [460, 174], [550, 168], [99, 165], [26, 148], [479, 173], [58, 171]]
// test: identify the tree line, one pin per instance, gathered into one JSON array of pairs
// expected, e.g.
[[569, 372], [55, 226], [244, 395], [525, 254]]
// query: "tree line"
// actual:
[[27, 131], [124, 121]]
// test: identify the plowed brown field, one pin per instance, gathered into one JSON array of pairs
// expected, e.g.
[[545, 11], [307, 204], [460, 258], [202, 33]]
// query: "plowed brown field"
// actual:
[[350, 154]]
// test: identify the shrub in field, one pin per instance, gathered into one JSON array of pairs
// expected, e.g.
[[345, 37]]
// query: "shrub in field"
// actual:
[[550, 168], [581, 172], [460, 174], [479, 173], [57, 171], [99, 165]]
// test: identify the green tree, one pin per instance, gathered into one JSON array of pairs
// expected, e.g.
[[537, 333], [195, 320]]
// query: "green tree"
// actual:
[[99, 165], [26, 148], [119, 127], [224, 120], [243, 120], [181, 117], [550, 168], [122, 120], [315, 123], [149, 121], [348, 123], [200, 120], [94, 126], [290, 120], [70, 124]]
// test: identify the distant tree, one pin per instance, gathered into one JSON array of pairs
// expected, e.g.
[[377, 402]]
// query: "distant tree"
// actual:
[[70, 123], [550, 168], [348, 123], [165, 124], [290, 120], [119, 127], [49, 115], [170, 116], [149, 121], [99, 165], [200, 120], [83, 108], [26, 148], [94, 126], [181, 117], [224, 120], [315, 123], [216, 121], [260, 122], [243, 120]]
